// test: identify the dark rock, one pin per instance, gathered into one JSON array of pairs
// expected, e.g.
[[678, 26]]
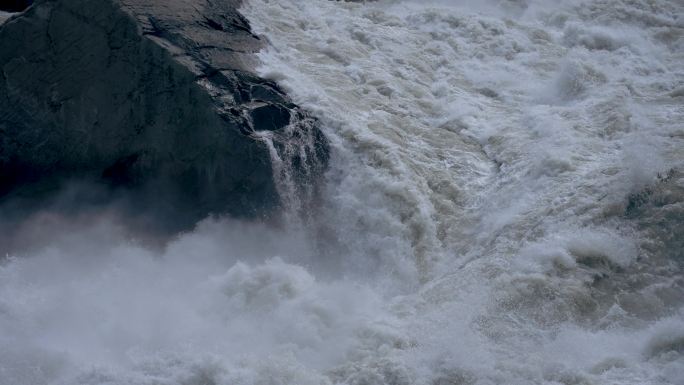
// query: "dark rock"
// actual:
[[155, 98], [269, 117], [14, 5]]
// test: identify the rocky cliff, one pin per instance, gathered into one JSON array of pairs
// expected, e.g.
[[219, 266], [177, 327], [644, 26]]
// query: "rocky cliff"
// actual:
[[153, 98]]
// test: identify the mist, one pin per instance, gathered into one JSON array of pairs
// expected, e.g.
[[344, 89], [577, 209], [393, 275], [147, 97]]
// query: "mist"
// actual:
[[501, 202]]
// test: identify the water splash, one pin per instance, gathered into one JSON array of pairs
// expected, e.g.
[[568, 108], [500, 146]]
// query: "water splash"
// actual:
[[492, 214]]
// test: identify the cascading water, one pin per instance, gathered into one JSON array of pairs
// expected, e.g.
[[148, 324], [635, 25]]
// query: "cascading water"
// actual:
[[297, 162], [504, 204]]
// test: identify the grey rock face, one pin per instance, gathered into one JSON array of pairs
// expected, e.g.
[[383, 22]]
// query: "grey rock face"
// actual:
[[151, 97]]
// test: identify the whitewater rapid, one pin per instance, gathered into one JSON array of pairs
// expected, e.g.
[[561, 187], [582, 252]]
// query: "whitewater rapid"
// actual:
[[504, 205]]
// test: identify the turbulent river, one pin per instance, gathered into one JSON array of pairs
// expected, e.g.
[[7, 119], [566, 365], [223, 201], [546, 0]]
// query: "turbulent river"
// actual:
[[504, 205]]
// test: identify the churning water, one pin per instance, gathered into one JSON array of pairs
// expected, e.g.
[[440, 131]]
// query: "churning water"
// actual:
[[504, 205]]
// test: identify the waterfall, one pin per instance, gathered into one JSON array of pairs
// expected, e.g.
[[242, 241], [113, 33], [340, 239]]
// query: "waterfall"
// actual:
[[502, 203], [297, 162]]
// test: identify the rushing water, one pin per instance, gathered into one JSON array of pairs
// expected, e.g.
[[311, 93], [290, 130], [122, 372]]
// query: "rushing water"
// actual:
[[504, 205]]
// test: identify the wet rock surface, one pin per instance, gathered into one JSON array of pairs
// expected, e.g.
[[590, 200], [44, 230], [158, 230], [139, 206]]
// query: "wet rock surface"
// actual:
[[154, 100]]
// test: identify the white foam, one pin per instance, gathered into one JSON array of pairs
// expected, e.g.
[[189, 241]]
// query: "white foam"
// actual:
[[513, 129], [212, 307], [479, 224]]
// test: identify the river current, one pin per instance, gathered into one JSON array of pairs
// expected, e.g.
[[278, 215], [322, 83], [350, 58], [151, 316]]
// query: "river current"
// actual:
[[504, 205]]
